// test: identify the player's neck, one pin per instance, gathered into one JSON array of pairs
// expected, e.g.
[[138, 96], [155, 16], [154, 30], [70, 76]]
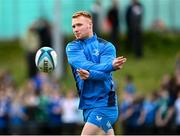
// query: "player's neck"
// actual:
[[90, 35]]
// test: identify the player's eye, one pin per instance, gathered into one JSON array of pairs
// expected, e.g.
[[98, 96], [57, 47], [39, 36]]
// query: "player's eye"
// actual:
[[79, 24]]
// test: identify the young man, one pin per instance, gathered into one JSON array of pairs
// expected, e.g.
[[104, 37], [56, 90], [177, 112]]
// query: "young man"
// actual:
[[92, 60]]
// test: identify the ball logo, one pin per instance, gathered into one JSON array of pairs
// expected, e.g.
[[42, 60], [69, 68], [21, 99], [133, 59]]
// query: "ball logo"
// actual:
[[45, 66]]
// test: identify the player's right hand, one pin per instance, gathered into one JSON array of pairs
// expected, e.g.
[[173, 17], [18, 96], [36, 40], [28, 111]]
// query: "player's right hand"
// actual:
[[118, 62], [84, 74]]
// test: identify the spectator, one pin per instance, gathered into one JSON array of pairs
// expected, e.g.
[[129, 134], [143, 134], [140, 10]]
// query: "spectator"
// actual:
[[38, 35], [42, 111], [134, 16], [125, 105], [177, 113], [70, 113], [55, 112], [131, 116], [113, 19], [165, 113], [17, 115], [148, 114], [30, 43], [96, 12], [31, 102], [174, 86], [43, 29], [128, 95], [4, 109], [129, 87]]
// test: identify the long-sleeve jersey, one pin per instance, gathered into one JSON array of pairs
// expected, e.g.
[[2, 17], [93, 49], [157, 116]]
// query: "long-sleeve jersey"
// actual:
[[94, 55]]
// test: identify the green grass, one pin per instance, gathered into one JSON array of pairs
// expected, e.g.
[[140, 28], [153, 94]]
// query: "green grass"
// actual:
[[12, 58], [147, 72], [159, 58]]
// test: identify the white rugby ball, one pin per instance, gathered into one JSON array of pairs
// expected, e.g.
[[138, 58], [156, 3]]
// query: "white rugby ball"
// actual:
[[46, 59]]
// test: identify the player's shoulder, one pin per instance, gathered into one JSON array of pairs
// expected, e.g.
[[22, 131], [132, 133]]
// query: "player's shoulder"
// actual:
[[73, 45], [104, 43]]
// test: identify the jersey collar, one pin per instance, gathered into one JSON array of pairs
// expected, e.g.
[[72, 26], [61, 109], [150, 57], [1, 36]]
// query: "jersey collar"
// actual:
[[90, 39]]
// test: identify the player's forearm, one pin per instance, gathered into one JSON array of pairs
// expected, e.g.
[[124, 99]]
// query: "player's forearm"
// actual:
[[97, 75], [77, 59], [78, 63]]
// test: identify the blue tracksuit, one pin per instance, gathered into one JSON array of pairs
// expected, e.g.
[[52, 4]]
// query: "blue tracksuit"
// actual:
[[95, 55]]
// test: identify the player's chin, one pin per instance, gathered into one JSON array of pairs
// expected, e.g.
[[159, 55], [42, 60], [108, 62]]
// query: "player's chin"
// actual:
[[78, 36]]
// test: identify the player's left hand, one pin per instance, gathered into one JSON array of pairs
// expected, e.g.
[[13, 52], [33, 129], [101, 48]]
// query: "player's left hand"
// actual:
[[118, 62], [84, 74]]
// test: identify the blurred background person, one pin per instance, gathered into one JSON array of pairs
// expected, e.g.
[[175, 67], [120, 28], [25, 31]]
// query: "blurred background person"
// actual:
[[44, 30], [130, 87], [165, 113], [177, 113], [96, 11], [148, 114], [16, 115], [130, 115], [114, 22], [30, 43], [4, 110], [70, 114], [38, 35], [55, 112], [134, 16]]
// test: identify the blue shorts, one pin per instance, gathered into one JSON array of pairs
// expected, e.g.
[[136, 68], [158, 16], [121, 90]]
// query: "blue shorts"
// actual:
[[103, 117]]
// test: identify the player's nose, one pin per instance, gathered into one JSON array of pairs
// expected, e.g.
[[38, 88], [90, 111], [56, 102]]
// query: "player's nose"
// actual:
[[76, 30]]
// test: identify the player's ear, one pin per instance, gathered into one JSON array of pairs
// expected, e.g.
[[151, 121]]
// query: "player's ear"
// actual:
[[90, 24]]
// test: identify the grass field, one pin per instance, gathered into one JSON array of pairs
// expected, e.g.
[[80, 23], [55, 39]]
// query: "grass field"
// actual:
[[12, 58], [159, 58]]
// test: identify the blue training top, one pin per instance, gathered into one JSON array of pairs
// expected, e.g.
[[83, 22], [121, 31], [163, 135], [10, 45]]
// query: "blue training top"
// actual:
[[95, 55]]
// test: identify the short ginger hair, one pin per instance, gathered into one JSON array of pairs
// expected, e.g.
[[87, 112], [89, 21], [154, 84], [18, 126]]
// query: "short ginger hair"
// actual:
[[82, 13]]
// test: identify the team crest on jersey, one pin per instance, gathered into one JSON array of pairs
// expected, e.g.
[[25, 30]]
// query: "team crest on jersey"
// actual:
[[96, 52], [108, 124], [68, 49], [98, 118]]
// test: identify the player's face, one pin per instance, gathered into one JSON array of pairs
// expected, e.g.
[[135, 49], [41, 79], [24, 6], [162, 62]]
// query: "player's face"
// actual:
[[82, 27]]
